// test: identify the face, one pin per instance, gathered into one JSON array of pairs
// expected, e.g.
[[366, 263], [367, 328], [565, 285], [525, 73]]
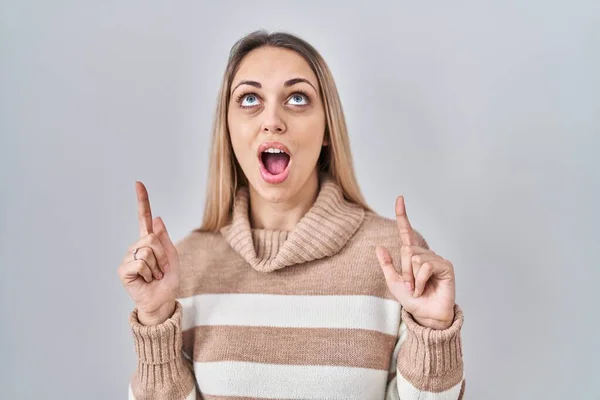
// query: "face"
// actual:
[[276, 122]]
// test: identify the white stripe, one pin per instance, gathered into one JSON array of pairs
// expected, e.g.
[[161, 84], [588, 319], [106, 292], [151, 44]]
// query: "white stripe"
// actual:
[[191, 396], [408, 391], [288, 311], [233, 378]]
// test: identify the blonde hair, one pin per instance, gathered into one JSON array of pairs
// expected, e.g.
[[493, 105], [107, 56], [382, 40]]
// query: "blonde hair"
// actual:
[[225, 174]]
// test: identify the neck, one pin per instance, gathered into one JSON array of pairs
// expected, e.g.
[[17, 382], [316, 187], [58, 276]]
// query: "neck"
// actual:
[[283, 216]]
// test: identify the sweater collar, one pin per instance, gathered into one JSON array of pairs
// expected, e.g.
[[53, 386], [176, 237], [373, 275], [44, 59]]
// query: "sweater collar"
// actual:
[[321, 232]]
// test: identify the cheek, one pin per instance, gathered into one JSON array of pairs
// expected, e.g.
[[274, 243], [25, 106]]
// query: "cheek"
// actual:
[[241, 133], [312, 135]]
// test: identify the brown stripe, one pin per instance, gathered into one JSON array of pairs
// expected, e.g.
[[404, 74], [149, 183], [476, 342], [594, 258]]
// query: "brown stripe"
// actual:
[[292, 346], [220, 269]]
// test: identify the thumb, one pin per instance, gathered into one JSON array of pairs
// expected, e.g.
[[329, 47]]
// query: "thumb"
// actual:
[[394, 280], [161, 231]]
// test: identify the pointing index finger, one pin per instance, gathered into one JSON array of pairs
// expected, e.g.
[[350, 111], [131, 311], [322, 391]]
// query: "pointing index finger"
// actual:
[[404, 227], [144, 211]]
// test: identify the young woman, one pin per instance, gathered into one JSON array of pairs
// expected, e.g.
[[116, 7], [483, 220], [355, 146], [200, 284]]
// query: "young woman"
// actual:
[[292, 287]]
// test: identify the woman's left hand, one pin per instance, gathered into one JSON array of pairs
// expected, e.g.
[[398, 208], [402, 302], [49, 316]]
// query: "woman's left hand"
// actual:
[[426, 287]]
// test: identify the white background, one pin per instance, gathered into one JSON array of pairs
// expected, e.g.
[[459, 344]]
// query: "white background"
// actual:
[[485, 115]]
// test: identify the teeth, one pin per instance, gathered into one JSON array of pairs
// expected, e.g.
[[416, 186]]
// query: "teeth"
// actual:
[[272, 150]]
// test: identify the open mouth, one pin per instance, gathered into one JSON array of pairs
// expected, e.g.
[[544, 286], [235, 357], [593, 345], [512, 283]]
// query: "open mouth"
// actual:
[[274, 161]]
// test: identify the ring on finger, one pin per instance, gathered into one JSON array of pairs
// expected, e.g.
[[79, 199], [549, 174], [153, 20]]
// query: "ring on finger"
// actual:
[[135, 250]]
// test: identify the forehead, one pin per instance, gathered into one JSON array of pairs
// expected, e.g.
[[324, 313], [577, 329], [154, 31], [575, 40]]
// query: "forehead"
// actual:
[[274, 65]]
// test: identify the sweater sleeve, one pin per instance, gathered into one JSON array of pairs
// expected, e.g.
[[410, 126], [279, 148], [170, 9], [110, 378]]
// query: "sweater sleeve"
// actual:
[[162, 370], [427, 363]]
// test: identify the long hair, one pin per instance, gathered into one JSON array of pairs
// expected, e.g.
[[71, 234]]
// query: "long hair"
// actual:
[[225, 174]]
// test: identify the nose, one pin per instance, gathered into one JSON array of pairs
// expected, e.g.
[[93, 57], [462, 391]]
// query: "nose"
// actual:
[[272, 122]]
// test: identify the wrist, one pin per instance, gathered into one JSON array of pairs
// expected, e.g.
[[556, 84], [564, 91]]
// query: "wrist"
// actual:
[[435, 324], [157, 317]]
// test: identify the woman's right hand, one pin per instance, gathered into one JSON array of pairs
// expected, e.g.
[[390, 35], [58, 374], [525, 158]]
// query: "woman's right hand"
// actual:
[[151, 277]]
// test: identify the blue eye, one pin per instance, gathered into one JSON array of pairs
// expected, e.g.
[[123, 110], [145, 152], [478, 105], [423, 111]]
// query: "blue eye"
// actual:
[[297, 98], [251, 100]]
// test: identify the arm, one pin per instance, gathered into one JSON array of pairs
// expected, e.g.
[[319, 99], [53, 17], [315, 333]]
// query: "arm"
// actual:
[[162, 371], [428, 363]]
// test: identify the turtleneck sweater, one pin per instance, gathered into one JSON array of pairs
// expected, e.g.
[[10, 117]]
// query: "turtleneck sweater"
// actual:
[[300, 314]]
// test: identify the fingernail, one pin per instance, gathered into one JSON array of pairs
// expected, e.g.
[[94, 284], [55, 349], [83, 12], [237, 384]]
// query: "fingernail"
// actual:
[[160, 275], [408, 286]]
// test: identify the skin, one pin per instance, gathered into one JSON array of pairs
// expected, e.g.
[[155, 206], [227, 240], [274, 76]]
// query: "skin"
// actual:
[[152, 280], [426, 286], [277, 111]]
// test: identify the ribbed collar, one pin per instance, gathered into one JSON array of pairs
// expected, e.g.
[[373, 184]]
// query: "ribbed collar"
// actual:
[[321, 232]]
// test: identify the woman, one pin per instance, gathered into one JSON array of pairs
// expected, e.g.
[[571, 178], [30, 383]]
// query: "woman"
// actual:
[[279, 293]]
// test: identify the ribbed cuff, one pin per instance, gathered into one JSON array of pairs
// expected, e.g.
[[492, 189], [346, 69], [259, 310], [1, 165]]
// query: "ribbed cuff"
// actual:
[[158, 344], [432, 360]]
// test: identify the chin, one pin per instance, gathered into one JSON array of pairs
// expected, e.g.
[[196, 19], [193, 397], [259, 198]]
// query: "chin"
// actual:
[[274, 193], [286, 190]]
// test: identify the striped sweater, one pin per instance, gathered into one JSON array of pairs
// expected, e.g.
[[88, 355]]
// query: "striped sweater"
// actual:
[[304, 314]]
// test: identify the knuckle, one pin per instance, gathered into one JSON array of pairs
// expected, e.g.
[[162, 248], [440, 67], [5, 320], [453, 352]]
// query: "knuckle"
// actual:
[[384, 260], [144, 212], [141, 266], [153, 238], [145, 253]]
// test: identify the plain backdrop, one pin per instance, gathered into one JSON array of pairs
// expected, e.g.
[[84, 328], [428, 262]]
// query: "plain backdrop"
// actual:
[[485, 115]]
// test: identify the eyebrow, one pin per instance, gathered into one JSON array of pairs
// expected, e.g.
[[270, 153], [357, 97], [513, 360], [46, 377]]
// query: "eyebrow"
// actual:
[[287, 83]]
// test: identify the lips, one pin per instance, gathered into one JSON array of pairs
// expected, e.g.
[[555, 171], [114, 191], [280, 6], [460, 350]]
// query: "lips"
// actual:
[[275, 160]]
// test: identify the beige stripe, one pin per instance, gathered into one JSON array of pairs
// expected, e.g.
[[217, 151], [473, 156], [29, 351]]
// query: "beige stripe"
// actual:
[[407, 390], [292, 346], [211, 397], [239, 378]]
